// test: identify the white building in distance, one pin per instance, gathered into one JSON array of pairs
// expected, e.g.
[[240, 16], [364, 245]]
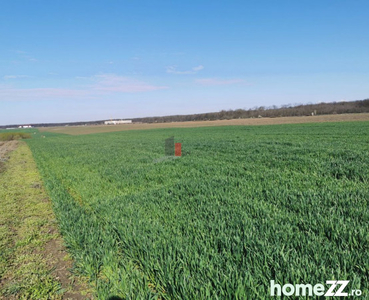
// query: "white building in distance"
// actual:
[[111, 122]]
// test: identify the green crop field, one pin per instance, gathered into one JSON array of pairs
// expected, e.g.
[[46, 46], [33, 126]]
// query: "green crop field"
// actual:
[[241, 207]]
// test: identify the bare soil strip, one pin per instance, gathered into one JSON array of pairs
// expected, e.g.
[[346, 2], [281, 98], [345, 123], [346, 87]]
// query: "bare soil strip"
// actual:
[[33, 261], [6, 147], [77, 130]]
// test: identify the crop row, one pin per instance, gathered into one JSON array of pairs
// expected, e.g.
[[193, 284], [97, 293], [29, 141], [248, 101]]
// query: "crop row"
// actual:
[[241, 207]]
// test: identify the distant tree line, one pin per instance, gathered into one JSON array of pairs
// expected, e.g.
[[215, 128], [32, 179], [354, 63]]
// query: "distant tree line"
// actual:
[[289, 110]]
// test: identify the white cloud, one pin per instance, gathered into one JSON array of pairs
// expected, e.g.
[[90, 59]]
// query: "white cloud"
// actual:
[[25, 56], [115, 83], [98, 85], [15, 76], [217, 81], [15, 94], [198, 68], [194, 70]]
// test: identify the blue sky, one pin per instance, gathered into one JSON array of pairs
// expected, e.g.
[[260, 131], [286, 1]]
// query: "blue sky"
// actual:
[[64, 61]]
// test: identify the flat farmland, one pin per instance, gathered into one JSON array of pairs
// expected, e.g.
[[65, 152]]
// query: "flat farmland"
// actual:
[[244, 205], [76, 130]]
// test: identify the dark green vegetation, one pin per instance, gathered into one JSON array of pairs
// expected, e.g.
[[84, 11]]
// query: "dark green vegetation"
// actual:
[[10, 136], [241, 207]]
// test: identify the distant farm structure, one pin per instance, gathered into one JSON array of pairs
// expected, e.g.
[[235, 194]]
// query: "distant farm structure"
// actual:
[[117, 122], [25, 126]]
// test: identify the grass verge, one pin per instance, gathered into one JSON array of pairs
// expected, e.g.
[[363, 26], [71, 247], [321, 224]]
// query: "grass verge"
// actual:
[[33, 261]]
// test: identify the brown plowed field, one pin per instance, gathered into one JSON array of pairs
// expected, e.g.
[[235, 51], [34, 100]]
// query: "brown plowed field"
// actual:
[[77, 130]]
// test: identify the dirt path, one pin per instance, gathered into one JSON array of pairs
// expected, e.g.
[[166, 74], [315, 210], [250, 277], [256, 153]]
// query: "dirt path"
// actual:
[[6, 147], [34, 263]]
